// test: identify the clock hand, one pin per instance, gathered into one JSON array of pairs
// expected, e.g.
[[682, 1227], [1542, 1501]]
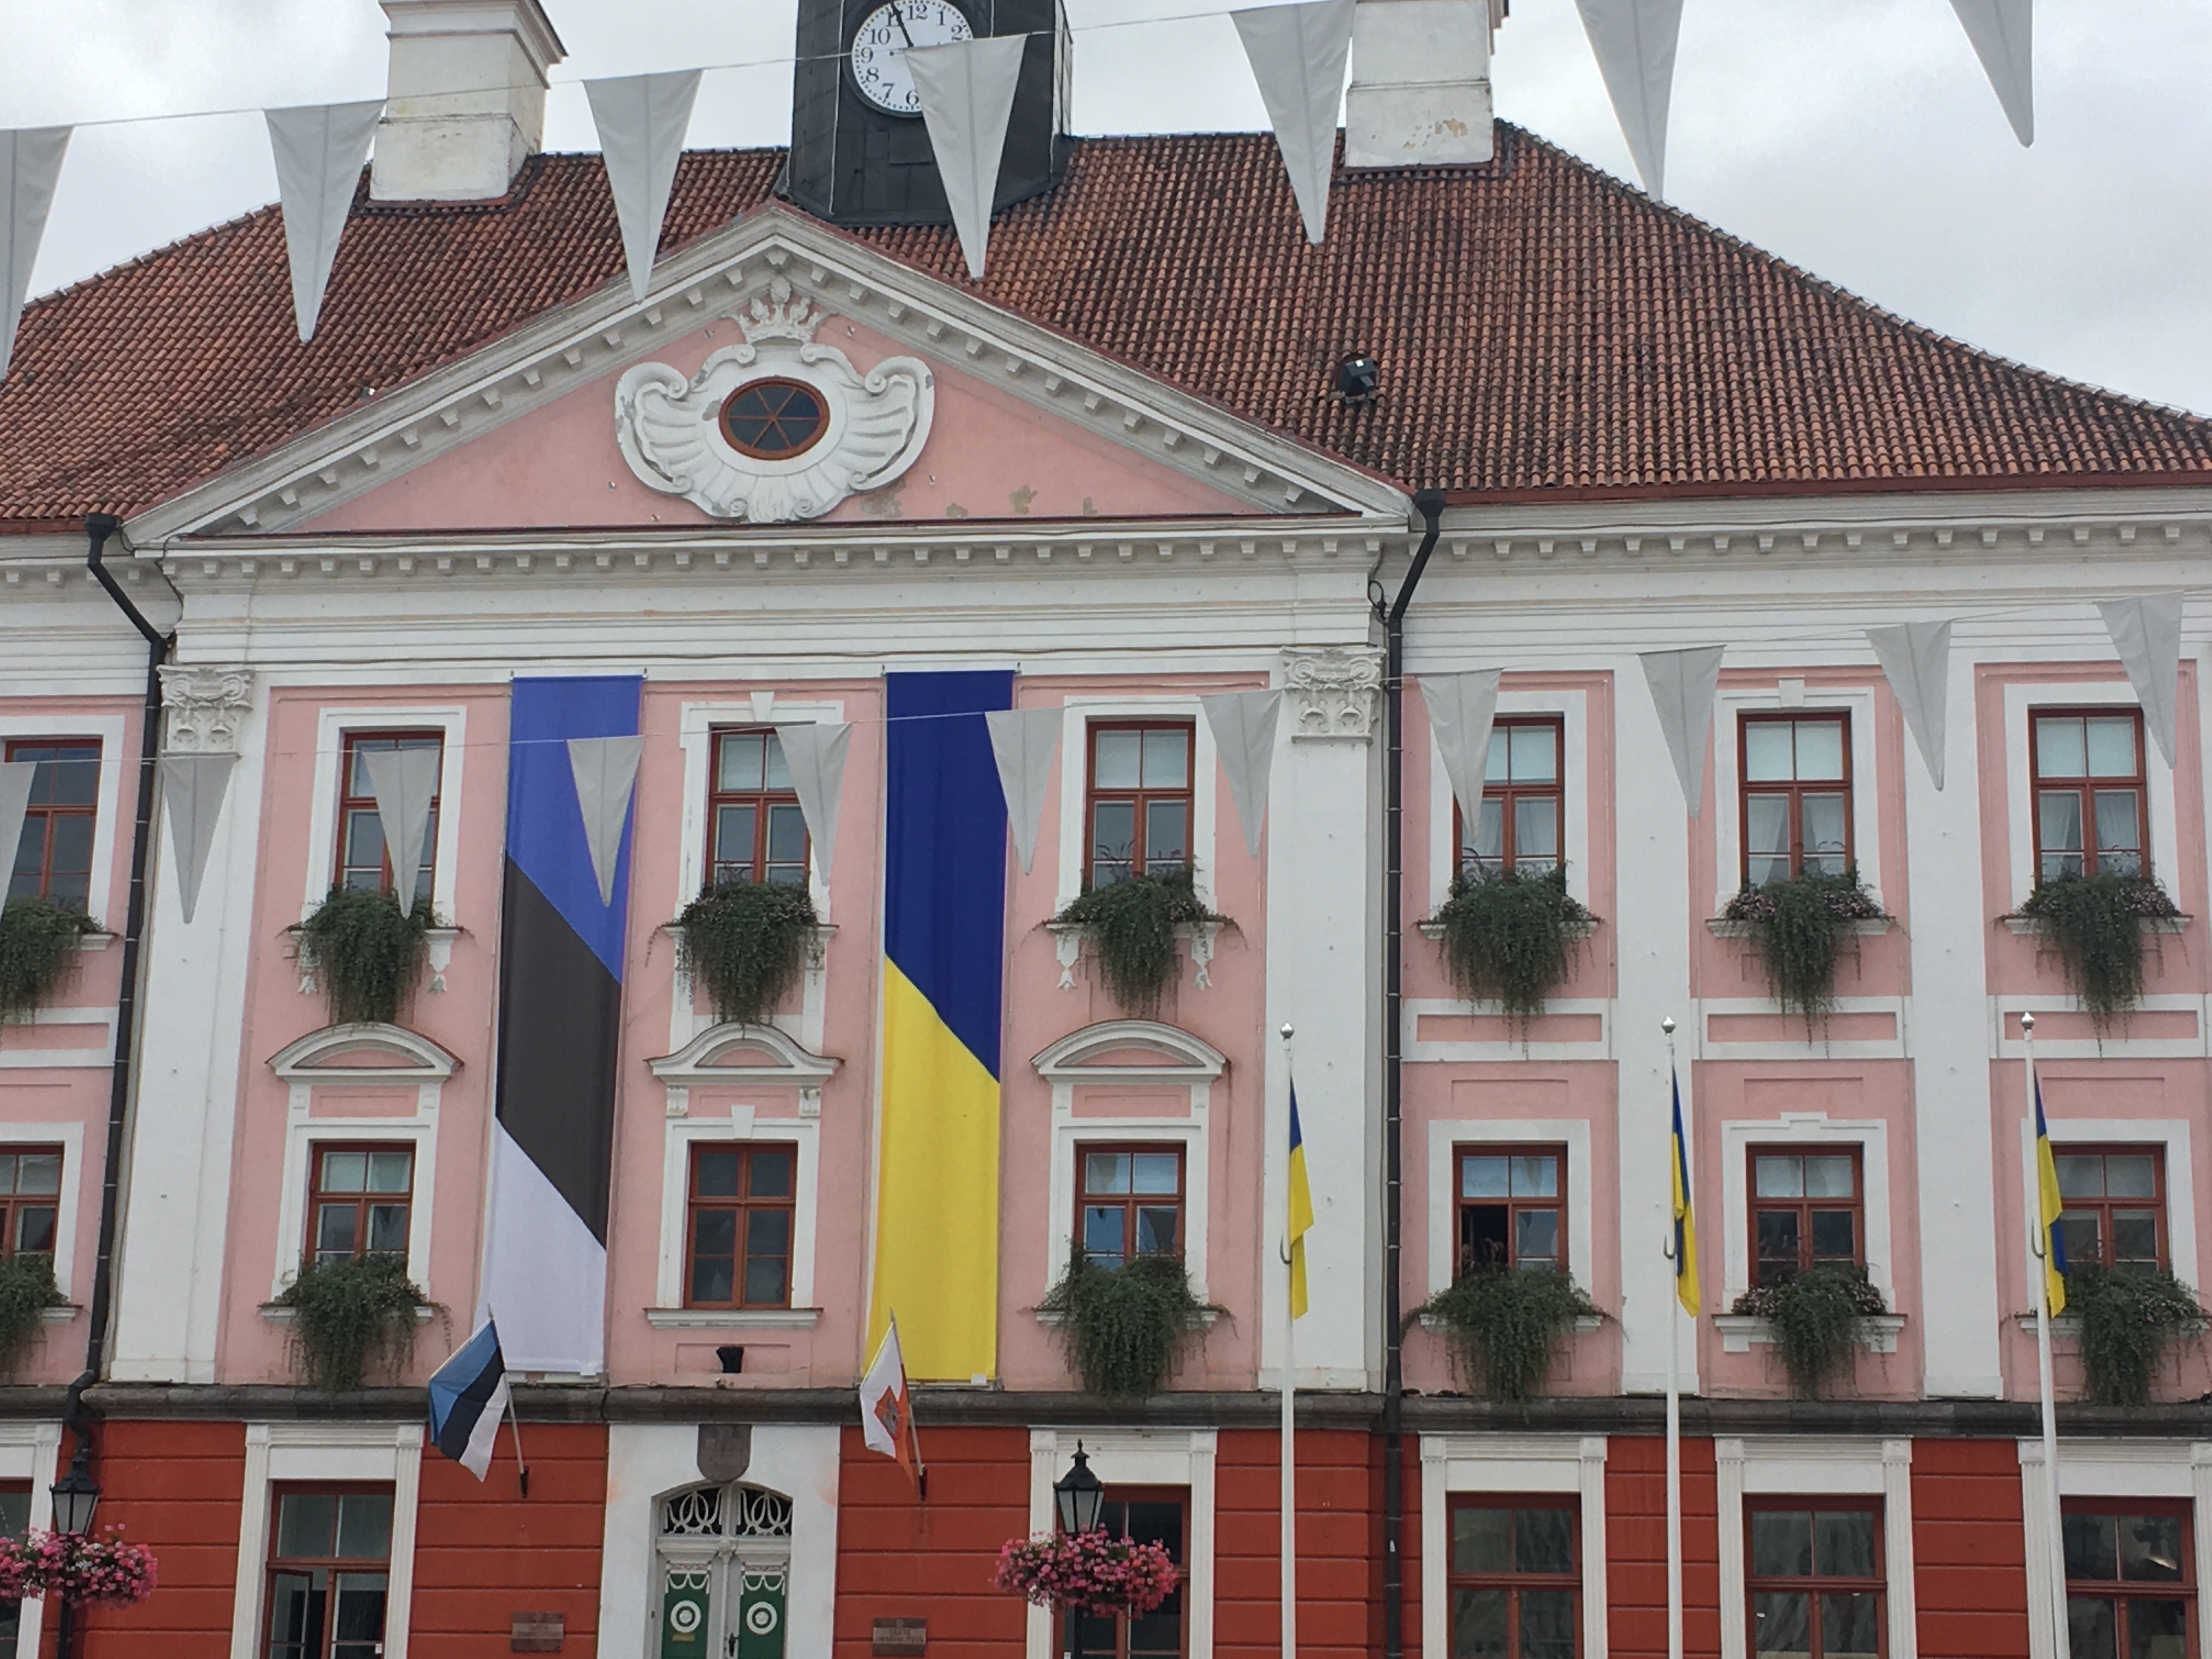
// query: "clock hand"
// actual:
[[898, 16]]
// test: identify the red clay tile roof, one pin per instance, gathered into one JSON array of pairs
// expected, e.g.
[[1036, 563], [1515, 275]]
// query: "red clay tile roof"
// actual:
[[1542, 328]]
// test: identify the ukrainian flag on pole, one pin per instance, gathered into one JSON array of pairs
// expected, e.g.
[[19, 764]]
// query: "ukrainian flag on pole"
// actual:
[[2049, 1205], [1686, 1221], [1301, 1211]]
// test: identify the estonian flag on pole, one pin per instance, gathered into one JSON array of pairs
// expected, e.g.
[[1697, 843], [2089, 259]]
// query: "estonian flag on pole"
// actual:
[[468, 1397]]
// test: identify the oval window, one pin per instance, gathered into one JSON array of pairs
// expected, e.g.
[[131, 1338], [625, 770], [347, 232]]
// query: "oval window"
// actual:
[[774, 419]]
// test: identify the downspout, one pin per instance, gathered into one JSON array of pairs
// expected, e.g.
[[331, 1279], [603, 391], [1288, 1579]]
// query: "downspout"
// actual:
[[98, 527], [1429, 504]]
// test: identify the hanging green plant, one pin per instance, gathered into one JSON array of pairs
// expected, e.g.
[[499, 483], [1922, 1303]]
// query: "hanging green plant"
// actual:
[[1511, 938], [26, 1290], [2129, 1318], [1130, 926], [1124, 1328], [38, 940], [747, 943], [2095, 924], [1799, 927], [350, 1317], [1505, 1326], [366, 951], [1816, 1319]]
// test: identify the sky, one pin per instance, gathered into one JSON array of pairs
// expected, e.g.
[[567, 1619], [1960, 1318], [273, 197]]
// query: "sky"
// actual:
[[1857, 138]]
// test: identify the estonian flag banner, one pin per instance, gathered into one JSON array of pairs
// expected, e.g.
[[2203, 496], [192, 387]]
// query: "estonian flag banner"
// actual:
[[566, 903], [944, 905], [468, 1397]]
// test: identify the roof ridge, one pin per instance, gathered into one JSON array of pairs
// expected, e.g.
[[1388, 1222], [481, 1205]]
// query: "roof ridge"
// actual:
[[161, 250]]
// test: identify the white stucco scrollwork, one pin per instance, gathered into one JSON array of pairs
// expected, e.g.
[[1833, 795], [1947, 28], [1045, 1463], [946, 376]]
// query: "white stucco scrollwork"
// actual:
[[205, 707], [672, 434], [1333, 693]]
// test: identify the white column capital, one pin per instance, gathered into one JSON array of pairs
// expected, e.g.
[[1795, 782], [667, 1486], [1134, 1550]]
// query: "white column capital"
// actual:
[[206, 705], [1334, 692]]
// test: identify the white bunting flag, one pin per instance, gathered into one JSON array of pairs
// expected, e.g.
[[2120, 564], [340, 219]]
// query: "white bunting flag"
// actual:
[[1682, 685], [1633, 41], [30, 163], [1244, 727], [2147, 633], [967, 94], [192, 790], [2003, 33], [1298, 55], [816, 755], [1916, 660], [641, 120], [320, 149], [606, 771], [1025, 742], [1462, 707], [404, 783], [17, 778]]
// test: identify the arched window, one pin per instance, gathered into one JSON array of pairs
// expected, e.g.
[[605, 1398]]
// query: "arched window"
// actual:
[[725, 1559]]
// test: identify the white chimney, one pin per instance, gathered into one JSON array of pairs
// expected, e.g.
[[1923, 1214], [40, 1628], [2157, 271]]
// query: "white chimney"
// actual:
[[465, 104], [1420, 83]]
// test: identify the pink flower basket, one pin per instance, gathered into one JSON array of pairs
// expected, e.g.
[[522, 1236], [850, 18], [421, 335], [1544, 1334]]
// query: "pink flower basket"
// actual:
[[75, 1569], [1089, 1571]]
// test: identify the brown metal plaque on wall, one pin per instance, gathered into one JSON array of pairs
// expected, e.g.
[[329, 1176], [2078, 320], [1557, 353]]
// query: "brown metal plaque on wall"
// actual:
[[900, 1636], [537, 1632]]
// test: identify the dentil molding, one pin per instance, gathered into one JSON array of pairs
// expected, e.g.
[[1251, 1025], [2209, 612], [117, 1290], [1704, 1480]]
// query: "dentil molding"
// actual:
[[206, 707], [1333, 693]]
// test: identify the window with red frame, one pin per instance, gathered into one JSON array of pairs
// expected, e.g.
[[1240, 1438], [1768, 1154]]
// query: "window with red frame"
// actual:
[[1138, 809], [1128, 1202], [360, 1201], [2115, 1198], [53, 854], [1816, 1582], [329, 1565], [1514, 1572], [364, 862], [1153, 1516], [1512, 1208], [2131, 1579], [1807, 1211], [14, 1522], [1796, 787], [1523, 800], [2088, 779], [755, 829], [30, 1199], [743, 1198]]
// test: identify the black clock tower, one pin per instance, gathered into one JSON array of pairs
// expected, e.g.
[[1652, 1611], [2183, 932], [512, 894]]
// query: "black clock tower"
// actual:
[[854, 163]]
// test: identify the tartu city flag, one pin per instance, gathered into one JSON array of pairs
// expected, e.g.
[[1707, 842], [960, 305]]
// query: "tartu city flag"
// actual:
[[944, 895], [572, 764], [1301, 1211], [1686, 1220], [468, 1396], [2048, 1206]]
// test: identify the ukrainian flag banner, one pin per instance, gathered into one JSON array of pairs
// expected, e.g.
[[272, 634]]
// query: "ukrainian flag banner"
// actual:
[[1301, 1211], [944, 902], [2049, 1206], [1686, 1220]]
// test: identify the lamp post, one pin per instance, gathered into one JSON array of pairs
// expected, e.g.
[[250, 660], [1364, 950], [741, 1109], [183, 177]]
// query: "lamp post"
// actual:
[[76, 1499], [1080, 1497]]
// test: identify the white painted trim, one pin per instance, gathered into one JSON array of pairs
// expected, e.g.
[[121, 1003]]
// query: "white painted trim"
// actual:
[[1574, 1132], [1511, 1463], [31, 1451], [741, 1126], [1729, 704], [2162, 828], [70, 1137], [2110, 1468], [2118, 1045], [2170, 1134], [1135, 1457], [100, 1054], [1505, 1048], [1076, 715], [1813, 1468], [1821, 1046], [107, 810], [303, 1131], [332, 726], [1808, 1132], [284, 1453], [1573, 709]]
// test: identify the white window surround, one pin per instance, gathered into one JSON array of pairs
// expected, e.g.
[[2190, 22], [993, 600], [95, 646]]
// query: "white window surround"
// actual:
[[410, 1059], [29, 1451], [1809, 1131], [312, 1453], [97, 1023], [1573, 709], [1574, 1134], [1505, 1047], [1729, 704], [1820, 1046], [1135, 1457], [1504, 1464], [1810, 1467], [2121, 1470], [70, 1137], [696, 724], [108, 807], [2161, 825], [2005, 1042], [1186, 1062], [332, 726], [2170, 1133], [1077, 714]]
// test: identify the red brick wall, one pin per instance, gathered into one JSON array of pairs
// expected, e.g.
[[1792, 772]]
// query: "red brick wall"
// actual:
[[1339, 1535], [1636, 1539], [175, 1488], [1969, 1556]]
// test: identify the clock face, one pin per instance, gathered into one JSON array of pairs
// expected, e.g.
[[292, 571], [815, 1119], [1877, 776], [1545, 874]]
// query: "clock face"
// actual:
[[879, 54]]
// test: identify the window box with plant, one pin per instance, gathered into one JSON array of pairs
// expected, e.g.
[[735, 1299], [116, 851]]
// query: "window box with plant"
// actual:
[[2101, 925], [1125, 1325], [1132, 926], [1817, 1319], [1505, 1324], [352, 1317], [1798, 926], [2127, 1320], [746, 944], [366, 953], [1510, 936], [38, 942]]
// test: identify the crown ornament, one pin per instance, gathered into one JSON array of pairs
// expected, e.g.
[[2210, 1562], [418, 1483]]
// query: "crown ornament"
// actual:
[[780, 314]]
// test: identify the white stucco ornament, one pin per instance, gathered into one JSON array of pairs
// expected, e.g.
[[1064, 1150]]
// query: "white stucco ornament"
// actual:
[[777, 428]]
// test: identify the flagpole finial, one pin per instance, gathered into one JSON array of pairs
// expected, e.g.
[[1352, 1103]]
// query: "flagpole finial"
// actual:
[[1289, 1030], [1667, 1025], [2028, 1022]]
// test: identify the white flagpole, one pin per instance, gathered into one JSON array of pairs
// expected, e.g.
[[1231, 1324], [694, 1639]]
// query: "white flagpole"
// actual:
[[2038, 1248], [1674, 1394], [1289, 1498]]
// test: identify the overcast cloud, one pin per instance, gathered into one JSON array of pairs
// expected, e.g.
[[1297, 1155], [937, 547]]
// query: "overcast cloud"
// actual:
[[1856, 137]]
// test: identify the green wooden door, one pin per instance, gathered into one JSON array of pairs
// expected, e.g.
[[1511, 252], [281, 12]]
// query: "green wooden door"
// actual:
[[686, 1613], [759, 1633]]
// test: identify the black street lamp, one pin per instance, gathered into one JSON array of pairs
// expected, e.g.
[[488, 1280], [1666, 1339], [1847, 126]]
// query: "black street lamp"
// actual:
[[76, 1496], [1080, 1497]]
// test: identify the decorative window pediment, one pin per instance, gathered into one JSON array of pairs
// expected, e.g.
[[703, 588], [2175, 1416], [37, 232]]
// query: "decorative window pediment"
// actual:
[[745, 1053], [1130, 1051], [363, 1054]]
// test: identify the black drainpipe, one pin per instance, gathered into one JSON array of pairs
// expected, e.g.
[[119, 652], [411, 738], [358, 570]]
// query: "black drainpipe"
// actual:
[[1429, 504], [98, 527]]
